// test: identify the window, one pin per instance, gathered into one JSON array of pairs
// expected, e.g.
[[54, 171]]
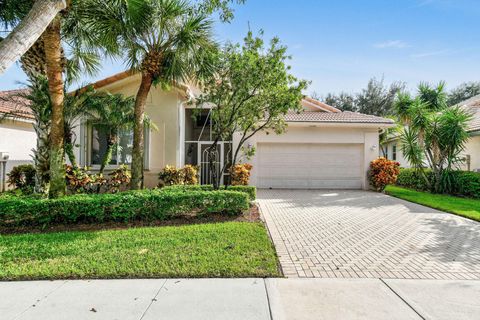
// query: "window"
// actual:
[[394, 152], [122, 151]]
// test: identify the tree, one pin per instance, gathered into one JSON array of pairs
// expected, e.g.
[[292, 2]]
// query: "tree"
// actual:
[[165, 40], [65, 28], [113, 113], [343, 101], [377, 98], [463, 92], [434, 133], [28, 26], [251, 91]]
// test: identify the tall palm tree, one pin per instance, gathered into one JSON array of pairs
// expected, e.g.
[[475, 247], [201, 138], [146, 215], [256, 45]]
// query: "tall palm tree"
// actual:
[[165, 40], [36, 16], [40, 21], [112, 113]]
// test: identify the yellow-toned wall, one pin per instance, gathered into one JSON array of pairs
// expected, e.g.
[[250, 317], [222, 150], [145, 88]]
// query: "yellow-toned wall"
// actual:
[[163, 109]]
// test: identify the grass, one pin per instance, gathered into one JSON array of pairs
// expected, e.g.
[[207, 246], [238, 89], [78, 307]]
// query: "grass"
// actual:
[[230, 249], [465, 207]]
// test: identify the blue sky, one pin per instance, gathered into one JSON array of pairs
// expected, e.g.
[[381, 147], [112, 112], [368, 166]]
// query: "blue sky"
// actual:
[[339, 45]]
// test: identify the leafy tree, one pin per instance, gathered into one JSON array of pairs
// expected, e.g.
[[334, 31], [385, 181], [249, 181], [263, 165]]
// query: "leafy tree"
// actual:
[[251, 91], [463, 92], [434, 133], [377, 98], [343, 101]]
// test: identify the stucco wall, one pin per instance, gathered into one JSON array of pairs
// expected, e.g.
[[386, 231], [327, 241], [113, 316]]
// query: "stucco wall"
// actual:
[[312, 134], [18, 139], [400, 158], [163, 109], [472, 148]]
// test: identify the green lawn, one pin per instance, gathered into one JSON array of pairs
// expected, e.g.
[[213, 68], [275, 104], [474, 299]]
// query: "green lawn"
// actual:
[[469, 208], [231, 249]]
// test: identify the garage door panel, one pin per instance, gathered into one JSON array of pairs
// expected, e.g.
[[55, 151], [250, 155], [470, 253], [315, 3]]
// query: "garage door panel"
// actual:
[[315, 166]]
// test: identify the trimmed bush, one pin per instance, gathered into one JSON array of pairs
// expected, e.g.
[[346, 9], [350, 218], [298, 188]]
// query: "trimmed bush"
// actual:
[[170, 176], [240, 174], [250, 190], [382, 173], [460, 183], [144, 205]]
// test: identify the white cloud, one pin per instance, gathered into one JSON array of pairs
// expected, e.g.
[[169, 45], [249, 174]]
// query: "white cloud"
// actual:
[[398, 44]]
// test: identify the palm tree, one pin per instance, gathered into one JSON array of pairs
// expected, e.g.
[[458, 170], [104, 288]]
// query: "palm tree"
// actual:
[[112, 113], [165, 40], [39, 21], [29, 26], [434, 134]]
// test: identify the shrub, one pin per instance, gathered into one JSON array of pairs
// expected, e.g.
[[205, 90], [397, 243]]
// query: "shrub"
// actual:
[[412, 178], [240, 174], [22, 177], [459, 183], [144, 205], [170, 175], [383, 172], [80, 180], [119, 179], [250, 190]]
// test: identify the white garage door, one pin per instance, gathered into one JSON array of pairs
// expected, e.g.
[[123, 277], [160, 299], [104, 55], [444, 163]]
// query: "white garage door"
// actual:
[[309, 166]]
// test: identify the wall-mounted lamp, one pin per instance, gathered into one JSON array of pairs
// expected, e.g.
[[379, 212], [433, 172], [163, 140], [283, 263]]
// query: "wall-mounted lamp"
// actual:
[[374, 147]]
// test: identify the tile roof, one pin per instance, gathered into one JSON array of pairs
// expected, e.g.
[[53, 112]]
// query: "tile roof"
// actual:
[[11, 103], [473, 106], [321, 105], [335, 117]]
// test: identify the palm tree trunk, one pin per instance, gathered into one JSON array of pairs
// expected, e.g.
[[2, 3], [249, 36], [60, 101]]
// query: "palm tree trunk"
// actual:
[[28, 31], [41, 156], [53, 55], [138, 131]]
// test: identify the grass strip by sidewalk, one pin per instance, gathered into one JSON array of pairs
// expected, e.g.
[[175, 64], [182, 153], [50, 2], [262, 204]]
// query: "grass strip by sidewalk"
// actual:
[[465, 207], [230, 249]]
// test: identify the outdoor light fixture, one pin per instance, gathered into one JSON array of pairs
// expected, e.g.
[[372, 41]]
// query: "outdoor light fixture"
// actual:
[[374, 147]]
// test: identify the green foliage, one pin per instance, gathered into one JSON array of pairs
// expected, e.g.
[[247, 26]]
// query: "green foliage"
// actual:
[[22, 177], [377, 98], [145, 205], [455, 182], [463, 92], [434, 134], [251, 91], [170, 176], [250, 190]]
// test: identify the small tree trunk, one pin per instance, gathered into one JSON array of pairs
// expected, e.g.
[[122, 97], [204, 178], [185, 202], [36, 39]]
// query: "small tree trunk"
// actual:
[[53, 55], [28, 31], [138, 130], [106, 158]]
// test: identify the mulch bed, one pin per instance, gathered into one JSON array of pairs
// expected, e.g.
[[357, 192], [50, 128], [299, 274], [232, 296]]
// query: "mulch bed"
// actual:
[[252, 215]]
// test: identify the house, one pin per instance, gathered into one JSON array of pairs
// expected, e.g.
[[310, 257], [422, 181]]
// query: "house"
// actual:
[[322, 148], [471, 154], [17, 137]]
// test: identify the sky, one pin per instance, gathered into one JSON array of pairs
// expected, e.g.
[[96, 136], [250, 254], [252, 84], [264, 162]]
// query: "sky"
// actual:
[[339, 45]]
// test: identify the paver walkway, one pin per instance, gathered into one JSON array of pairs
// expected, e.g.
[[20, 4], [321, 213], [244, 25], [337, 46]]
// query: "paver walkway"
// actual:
[[359, 234]]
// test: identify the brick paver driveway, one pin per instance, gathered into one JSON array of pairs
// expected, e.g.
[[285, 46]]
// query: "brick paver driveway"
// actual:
[[359, 234]]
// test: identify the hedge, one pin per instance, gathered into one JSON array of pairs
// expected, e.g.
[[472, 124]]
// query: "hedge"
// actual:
[[250, 190], [145, 205], [462, 183]]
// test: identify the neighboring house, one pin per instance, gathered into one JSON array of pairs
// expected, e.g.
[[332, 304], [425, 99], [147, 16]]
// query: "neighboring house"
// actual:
[[471, 154], [17, 137], [322, 148]]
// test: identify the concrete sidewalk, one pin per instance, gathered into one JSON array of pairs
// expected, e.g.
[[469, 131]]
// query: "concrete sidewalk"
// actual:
[[240, 299]]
